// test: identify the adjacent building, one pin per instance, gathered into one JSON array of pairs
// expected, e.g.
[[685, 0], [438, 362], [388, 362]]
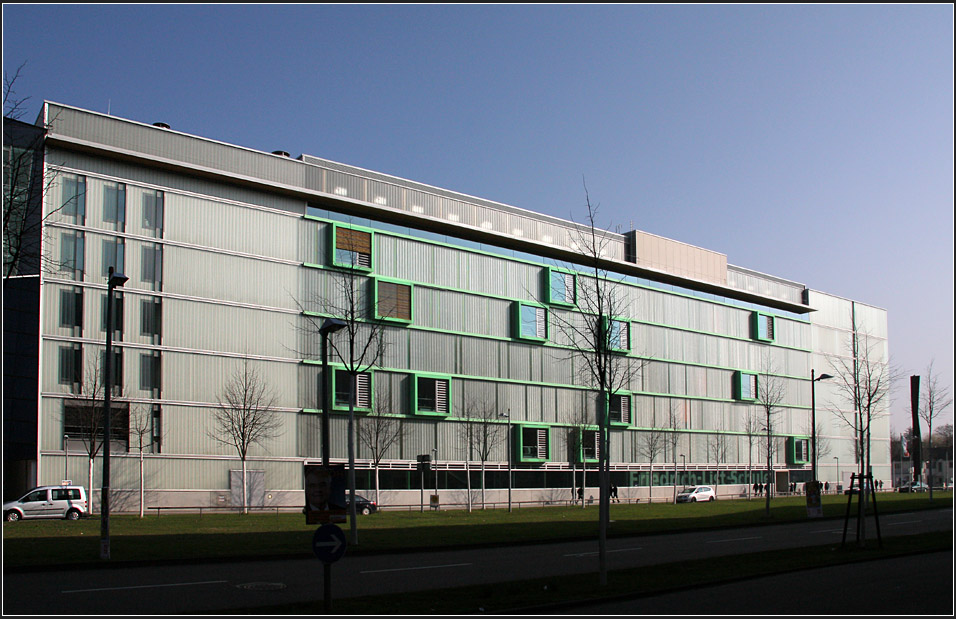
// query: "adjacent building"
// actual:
[[235, 256]]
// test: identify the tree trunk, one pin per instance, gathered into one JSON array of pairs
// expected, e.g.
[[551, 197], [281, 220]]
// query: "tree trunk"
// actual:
[[89, 495], [142, 485], [245, 499]]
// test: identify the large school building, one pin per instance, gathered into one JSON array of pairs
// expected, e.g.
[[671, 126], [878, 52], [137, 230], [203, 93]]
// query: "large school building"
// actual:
[[236, 256]]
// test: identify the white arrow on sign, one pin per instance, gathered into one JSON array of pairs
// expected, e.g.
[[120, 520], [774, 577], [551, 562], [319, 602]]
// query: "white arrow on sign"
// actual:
[[335, 543]]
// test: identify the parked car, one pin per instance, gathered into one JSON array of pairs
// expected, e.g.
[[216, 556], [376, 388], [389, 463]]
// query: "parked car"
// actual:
[[362, 505], [693, 494], [916, 486], [48, 502]]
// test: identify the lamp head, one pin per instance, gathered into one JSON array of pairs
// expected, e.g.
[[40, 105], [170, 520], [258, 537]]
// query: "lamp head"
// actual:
[[331, 325]]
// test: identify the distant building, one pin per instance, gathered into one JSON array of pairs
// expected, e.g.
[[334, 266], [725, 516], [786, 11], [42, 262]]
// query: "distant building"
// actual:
[[229, 251]]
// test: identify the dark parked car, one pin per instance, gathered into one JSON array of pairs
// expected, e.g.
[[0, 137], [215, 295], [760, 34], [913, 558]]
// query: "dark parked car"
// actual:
[[362, 505]]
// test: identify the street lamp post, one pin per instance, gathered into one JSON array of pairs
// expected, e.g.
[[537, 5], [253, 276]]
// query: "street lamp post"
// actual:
[[508, 415], [837, 484], [66, 457], [813, 420], [115, 280], [435, 467], [683, 465]]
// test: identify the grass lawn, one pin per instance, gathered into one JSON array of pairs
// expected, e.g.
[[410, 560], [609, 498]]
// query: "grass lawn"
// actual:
[[224, 535]]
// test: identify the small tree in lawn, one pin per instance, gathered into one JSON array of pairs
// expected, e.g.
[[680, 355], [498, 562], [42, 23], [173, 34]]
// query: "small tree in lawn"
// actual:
[[672, 438], [752, 427], [380, 432], [718, 447], [771, 393], [246, 416], [482, 433], [651, 445], [141, 430], [934, 400]]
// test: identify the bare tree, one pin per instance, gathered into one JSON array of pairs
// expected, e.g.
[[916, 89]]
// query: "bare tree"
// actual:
[[752, 426], [579, 423], [360, 345], [482, 433], [597, 337], [934, 400], [770, 393], [379, 433], [673, 438], [143, 433], [246, 416], [863, 379], [83, 416], [651, 445], [718, 446], [26, 182]]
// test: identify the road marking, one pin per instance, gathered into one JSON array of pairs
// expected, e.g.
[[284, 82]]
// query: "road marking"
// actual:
[[405, 569], [176, 584], [829, 531], [591, 554], [890, 524], [736, 539]]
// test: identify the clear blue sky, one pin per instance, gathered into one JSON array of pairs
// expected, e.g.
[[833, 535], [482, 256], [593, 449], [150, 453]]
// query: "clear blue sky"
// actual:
[[811, 142]]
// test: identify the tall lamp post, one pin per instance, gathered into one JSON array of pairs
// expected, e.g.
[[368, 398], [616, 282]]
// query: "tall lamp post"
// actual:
[[66, 457], [683, 465], [435, 467], [813, 420], [115, 280], [837, 484], [508, 437]]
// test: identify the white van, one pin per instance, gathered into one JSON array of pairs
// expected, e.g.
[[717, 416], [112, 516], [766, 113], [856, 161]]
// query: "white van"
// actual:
[[48, 502]]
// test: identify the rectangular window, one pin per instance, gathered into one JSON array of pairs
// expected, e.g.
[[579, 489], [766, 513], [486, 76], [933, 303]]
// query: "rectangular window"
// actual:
[[72, 253], [533, 444], [114, 205], [762, 327], [153, 265], [71, 308], [114, 255], [117, 314], [71, 366], [531, 322], [363, 389], [745, 386], [83, 419], [151, 316], [619, 409], [156, 429], [393, 301], [150, 371], [562, 287], [432, 395], [590, 445], [74, 197], [351, 248], [116, 369], [153, 212], [619, 335]]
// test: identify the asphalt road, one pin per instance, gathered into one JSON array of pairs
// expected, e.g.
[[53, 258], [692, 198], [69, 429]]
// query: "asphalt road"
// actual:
[[199, 587]]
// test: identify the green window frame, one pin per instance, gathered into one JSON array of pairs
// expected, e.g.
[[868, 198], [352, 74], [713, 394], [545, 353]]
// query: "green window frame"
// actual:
[[620, 409], [532, 443], [393, 300], [746, 385], [560, 287], [589, 445], [618, 334], [431, 394], [530, 322], [351, 247], [762, 327], [798, 449], [340, 390]]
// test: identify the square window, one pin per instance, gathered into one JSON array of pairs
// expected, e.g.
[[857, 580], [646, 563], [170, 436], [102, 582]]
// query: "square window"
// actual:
[[351, 248], [619, 335], [531, 322], [619, 409], [745, 386], [151, 317], [561, 287], [762, 327], [342, 390], [432, 395], [393, 301], [533, 443], [74, 197]]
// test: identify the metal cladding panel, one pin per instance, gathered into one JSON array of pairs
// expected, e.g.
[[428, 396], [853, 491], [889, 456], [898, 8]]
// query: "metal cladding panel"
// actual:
[[202, 377], [514, 398], [519, 362], [433, 352], [225, 277], [218, 225], [480, 357], [228, 328], [170, 145]]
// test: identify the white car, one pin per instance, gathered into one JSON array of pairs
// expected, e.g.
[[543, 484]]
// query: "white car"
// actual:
[[693, 494], [48, 502]]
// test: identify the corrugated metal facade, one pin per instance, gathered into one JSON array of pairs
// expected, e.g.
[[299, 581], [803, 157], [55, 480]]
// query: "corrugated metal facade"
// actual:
[[240, 265]]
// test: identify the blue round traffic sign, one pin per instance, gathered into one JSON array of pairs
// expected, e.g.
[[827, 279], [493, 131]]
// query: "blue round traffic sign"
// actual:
[[329, 543]]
